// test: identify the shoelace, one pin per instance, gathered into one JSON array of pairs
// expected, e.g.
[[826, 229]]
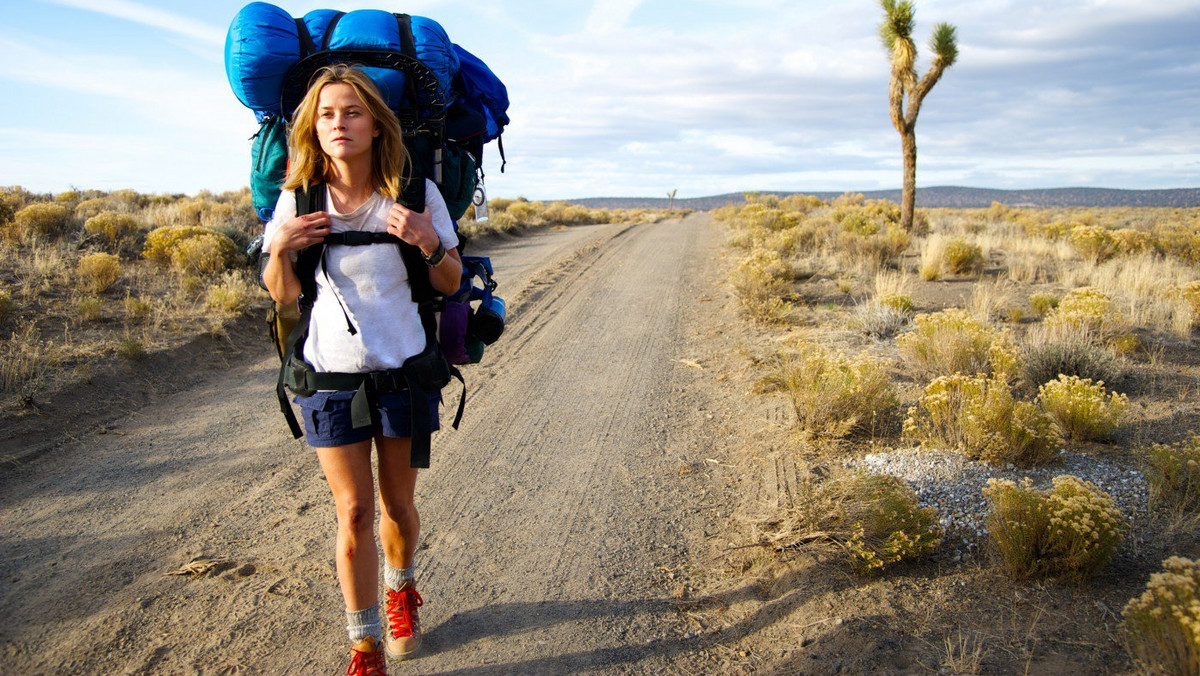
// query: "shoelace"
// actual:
[[400, 608], [366, 664]]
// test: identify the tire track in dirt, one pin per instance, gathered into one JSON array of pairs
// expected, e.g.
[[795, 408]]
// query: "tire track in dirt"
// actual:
[[549, 516]]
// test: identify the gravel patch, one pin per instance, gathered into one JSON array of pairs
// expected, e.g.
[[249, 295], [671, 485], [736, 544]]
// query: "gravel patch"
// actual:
[[953, 484]]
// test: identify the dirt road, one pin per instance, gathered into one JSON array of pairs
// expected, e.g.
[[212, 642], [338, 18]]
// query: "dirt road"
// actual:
[[557, 520]]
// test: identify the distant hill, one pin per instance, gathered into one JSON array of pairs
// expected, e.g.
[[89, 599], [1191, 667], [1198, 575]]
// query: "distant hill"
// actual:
[[944, 196]]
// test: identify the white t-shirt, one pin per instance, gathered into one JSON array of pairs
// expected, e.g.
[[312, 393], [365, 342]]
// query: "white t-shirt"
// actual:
[[371, 284]]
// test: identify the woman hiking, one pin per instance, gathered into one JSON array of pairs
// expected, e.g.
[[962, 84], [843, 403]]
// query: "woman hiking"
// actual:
[[346, 142]]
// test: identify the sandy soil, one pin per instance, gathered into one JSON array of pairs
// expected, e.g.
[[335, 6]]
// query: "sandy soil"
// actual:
[[565, 523]]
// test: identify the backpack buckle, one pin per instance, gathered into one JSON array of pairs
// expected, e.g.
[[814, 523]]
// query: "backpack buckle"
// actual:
[[356, 238]]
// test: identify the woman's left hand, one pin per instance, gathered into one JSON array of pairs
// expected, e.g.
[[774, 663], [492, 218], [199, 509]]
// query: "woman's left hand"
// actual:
[[413, 227]]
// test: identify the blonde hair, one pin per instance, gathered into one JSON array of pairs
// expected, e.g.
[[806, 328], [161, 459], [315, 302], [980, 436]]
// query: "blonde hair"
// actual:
[[308, 164]]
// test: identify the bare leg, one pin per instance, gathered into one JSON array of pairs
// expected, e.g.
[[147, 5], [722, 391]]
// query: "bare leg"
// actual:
[[399, 522], [348, 471]]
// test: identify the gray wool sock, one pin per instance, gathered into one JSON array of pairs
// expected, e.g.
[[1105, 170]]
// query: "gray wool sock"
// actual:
[[395, 577], [363, 623]]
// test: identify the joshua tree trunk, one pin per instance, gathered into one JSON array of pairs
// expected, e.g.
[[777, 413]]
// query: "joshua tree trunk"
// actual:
[[896, 32], [908, 198]]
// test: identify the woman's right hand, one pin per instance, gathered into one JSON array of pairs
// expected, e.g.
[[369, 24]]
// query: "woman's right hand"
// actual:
[[300, 232]]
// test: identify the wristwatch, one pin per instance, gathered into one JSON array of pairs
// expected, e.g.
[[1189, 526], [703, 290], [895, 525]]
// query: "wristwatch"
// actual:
[[435, 258]]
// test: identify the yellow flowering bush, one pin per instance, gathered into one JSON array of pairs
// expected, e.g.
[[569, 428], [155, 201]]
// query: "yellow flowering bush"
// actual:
[[1084, 409], [1173, 474], [1163, 624], [190, 249], [954, 341], [762, 281], [1069, 531], [962, 257], [1093, 243], [97, 272], [832, 395], [979, 417], [42, 221], [1130, 241], [1090, 308]]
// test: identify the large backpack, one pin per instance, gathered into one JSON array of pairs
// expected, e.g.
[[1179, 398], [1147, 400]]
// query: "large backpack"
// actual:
[[449, 105]]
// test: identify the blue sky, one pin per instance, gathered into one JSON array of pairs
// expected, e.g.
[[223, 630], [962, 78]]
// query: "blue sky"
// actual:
[[638, 98]]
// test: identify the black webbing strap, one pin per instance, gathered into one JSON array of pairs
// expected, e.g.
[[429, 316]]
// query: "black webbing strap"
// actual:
[[408, 45], [500, 147], [285, 405], [307, 46], [329, 29]]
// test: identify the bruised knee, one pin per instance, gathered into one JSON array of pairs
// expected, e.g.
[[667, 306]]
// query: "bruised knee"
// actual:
[[358, 518]]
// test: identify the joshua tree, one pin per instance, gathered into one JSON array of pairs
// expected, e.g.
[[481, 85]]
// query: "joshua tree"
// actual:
[[671, 196], [896, 31]]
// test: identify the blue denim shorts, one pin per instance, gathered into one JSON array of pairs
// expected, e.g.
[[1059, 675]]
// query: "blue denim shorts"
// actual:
[[327, 422]]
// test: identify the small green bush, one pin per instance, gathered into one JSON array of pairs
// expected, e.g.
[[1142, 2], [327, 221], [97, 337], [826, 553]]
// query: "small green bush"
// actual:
[[979, 417], [1070, 531], [117, 229], [1173, 474], [42, 221], [877, 520], [1048, 352], [97, 272], [833, 396], [954, 341], [1083, 408], [1163, 624], [231, 296], [962, 257], [1043, 303], [762, 281]]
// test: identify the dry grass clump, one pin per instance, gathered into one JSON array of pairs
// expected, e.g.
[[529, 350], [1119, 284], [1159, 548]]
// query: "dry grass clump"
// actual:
[[1088, 308], [953, 341], [97, 272], [933, 256], [1163, 624], [962, 257], [872, 249], [762, 281], [1070, 531], [1084, 409], [876, 520], [42, 221], [24, 358], [6, 305], [1050, 351], [979, 417], [882, 318], [833, 396], [232, 295], [190, 249], [1173, 474]]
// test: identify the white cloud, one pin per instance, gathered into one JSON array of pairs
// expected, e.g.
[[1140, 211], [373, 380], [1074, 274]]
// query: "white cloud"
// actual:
[[150, 16]]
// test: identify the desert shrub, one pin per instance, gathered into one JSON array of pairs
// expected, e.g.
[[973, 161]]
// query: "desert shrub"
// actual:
[[136, 307], [800, 204], [42, 221], [1173, 474], [119, 230], [1043, 303], [857, 222], [832, 395], [980, 418], [130, 348], [88, 309], [877, 520], [190, 249], [91, 207], [1048, 352], [953, 341], [1084, 409], [761, 282], [882, 318], [963, 258], [1130, 242], [1069, 531], [6, 305], [1089, 308], [1163, 624], [769, 218], [498, 204], [1093, 243], [231, 296], [97, 272], [875, 250]]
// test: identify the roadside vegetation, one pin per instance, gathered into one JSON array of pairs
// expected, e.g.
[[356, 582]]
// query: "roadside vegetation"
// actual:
[[89, 277], [1026, 341]]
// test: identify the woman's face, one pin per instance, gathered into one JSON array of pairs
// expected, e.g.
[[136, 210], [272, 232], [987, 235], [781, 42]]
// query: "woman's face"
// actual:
[[345, 128]]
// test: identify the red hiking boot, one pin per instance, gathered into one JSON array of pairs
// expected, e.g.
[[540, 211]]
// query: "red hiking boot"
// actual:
[[366, 659], [405, 635]]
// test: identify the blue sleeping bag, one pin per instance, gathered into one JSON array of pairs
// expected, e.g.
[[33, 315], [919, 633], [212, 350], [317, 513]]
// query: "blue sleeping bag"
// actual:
[[264, 42]]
